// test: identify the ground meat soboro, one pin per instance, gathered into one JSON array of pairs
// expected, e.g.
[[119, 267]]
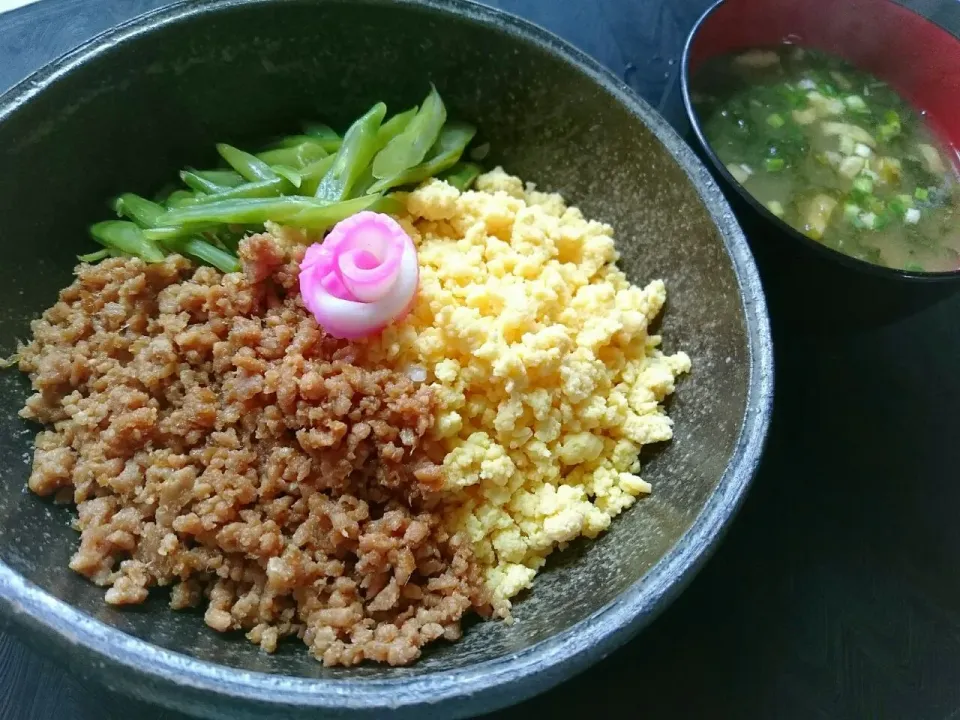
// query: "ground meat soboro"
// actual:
[[216, 441]]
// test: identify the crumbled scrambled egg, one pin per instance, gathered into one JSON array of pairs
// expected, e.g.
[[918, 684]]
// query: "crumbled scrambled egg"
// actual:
[[538, 348]]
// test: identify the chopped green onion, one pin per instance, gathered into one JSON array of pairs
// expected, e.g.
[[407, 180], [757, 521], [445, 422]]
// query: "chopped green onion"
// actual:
[[863, 184], [921, 194], [774, 164], [913, 267], [775, 207], [856, 103], [776, 120]]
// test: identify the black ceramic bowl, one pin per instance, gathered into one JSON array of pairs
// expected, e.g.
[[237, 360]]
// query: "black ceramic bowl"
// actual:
[[127, 110], [917, 58]]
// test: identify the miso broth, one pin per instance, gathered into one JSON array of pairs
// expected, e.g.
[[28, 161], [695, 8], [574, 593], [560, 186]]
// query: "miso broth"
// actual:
[[835, 153]]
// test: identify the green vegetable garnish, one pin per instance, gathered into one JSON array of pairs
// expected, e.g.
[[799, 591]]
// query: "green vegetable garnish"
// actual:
[[126, 238], [295, 156], [776, 120], [453, 139], [94, 257], [774, 164], [462, 175], [249, 166], [355, 154], [410, 147], [323, 134], [295, 181], [199, 183]]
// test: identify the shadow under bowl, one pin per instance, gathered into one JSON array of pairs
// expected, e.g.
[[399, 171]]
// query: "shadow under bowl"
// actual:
[[810, 286], [131, 108]]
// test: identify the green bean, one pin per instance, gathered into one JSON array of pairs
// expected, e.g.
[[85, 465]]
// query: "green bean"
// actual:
[[364, 183], [390, 204], [199, 183], [180, 197], [127, 238], [323, 134], [355, 153], [165, 192], [327, 144], [205, 252], [223, 178], [167, 234], [94, 257], [263, 189], [311, 213], [462, 175], [394, 126], [312, 174], [142, 211], [241, 211], [323, 216], [411, 146], [295, 156], [249, 166], [453, 140], [289, 174]]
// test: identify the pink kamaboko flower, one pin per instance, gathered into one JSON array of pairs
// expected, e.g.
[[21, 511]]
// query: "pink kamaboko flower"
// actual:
[[362, 277]]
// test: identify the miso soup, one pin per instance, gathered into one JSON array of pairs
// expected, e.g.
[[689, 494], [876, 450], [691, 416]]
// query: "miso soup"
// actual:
[[835, 153]]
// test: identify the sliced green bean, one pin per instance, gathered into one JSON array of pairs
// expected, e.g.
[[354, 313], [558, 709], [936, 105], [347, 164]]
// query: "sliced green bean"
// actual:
[[390, 205], [324, 134], [263, 189], [205, 252], [165, 192], [127, 238], [312, 174], [323, 216], [94, 257], [249, 166], [462, 175], [329, 145], [142, 211], [223, 178], [448, 149], [240, 211], [364, 183], [395, 125], [289, 174], [355, 154], [180, 197], [167, 234], [411, 146], [295, 156], [199, 183]]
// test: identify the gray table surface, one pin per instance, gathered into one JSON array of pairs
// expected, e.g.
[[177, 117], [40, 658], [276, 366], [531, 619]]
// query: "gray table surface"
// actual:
[[837, 591]]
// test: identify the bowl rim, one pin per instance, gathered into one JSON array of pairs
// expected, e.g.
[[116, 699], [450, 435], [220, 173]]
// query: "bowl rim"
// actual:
[[822, 250], [182, 682]]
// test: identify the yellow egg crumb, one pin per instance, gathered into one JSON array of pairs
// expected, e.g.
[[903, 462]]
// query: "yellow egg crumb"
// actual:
[[538, 349]]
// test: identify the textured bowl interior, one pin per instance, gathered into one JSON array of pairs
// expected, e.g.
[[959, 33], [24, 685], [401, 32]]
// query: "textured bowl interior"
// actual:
[[138, 111]]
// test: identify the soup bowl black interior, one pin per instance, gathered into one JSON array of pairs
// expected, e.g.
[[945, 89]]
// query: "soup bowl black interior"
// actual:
[[125, 112], [814, 287]]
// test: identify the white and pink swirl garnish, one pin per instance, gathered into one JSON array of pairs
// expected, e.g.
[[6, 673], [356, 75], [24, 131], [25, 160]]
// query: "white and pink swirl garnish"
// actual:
[[362, 277]]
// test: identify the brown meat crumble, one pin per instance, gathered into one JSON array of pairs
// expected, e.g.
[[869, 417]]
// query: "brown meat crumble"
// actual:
[[216, 441]]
